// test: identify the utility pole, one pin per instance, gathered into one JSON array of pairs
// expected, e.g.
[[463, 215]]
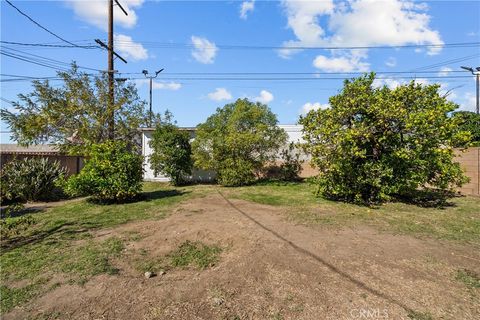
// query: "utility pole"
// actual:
[[476, 73], [145, 72], [111, 69]]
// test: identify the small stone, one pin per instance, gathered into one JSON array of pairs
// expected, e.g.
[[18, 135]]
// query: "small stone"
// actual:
[[218, 301], [162, 273], [149, 274]]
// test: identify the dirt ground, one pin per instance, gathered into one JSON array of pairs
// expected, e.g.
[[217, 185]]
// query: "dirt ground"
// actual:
[[271, 268]]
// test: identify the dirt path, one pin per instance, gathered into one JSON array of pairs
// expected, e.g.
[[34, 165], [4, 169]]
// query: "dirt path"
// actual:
[[272, 269]]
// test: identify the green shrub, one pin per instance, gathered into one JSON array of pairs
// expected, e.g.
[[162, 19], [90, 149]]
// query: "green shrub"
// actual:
[[172, 152], [377, 143], [291, 165], [31, 179], [236, 172], [469, 121], [237, 141], [111, 173]]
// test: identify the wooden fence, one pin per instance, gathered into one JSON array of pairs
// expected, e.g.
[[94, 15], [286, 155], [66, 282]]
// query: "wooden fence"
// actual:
[[73, 164]]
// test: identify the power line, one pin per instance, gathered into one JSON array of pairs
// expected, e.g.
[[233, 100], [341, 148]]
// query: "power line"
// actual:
[[169, 45], [447, 62], [292, 79], [44, 59], [33, 62], [40, 26], [298, 73], [299, 78], [48, 45], [7, 101]]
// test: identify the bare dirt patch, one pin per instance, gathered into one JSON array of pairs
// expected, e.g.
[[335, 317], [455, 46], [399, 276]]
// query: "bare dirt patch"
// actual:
[[269, 268]]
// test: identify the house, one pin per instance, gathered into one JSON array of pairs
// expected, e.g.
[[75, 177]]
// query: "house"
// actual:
[[294, 133]]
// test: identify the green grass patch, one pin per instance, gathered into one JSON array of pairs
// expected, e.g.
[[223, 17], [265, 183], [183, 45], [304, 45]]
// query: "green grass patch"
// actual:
[[12, 296], [468, 277], [61, 240], [189, 253], [92, 259], [458, 220], [194, 253], [415, 315]]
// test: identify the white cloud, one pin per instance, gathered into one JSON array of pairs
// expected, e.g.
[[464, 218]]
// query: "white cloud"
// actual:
[[246, 7], [166, 85], [204, 50], [444, 71], [346, 62], [220, 94], [307, 107], [128, 48], [391, 62], [393, 83], [160, 85], [95, 12], [358, 23], [264, 97]]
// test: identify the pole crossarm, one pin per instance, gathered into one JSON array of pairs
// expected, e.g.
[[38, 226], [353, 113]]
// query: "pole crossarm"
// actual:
[[106, 47]]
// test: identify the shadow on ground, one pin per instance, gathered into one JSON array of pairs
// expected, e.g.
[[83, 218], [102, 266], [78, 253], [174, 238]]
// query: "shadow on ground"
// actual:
[[144, 196], [72, 229], [429, 198]]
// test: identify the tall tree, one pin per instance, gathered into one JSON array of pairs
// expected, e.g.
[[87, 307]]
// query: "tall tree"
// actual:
[[171, 152], [74, 115], [469, 121], [237, 141], [374, 143]]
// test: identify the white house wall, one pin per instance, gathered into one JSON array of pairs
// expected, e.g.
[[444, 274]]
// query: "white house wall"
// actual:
[[294, 133]]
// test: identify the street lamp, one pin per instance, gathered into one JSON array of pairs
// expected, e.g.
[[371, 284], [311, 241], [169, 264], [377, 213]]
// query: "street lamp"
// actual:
[[145, 73], [476, 73]]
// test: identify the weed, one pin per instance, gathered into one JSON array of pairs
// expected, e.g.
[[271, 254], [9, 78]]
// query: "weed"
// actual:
[[415, 315], [468, 277]]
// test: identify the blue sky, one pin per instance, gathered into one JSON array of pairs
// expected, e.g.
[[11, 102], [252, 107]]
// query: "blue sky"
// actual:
[[231, 36]]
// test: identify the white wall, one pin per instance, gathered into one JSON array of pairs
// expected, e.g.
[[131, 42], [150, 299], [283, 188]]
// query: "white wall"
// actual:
[[294, 135]]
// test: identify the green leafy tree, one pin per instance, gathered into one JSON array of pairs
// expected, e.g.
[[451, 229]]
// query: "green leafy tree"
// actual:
[[172, 152], [374, 143], [469, 121], [74, 115], [237, 141], [112, 172]]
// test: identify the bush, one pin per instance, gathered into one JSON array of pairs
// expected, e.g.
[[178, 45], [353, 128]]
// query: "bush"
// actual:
[[469, 121], [172, 152], [291, 165], [237, 141], [236, 172], [111, 173], [377, 143], [31, 179]]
